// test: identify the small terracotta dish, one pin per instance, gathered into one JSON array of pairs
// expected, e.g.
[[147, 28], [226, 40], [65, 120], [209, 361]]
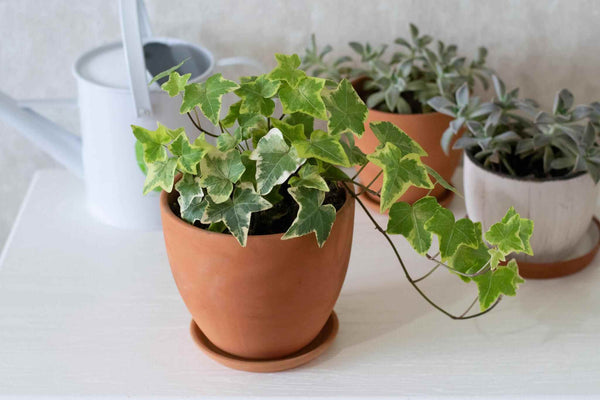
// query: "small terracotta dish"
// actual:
[[311, 351], [581, 256]]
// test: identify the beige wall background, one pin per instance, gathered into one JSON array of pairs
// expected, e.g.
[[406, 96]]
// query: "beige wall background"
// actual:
[[540, 46]]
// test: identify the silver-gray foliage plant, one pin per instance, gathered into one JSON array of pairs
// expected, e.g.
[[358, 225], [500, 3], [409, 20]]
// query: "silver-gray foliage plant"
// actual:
[[406, 81], [512, 135]]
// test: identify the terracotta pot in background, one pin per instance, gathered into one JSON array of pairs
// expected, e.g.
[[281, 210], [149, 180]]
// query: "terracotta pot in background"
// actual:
[[425, 129], [263, 301]]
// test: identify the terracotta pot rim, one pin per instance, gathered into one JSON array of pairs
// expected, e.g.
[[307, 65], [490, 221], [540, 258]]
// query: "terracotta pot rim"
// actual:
[[415, 116], [164, 206], [522, 178]]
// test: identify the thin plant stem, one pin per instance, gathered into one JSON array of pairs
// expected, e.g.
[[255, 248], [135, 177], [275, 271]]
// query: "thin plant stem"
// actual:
[[358, 172], [370, 183], [406, 273], [427, 274], [197, 125]]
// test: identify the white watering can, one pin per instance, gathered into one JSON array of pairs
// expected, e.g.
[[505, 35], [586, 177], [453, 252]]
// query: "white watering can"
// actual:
[[113, 90]]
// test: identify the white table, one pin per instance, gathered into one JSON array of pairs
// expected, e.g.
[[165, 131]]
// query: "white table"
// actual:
[[91, 311]]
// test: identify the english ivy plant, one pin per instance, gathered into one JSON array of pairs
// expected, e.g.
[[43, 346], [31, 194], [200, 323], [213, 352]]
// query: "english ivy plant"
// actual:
[[271, 165], [404, 82], [512, 135]]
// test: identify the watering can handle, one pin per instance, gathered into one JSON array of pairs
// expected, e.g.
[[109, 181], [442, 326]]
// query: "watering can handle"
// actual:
[[133, 21]]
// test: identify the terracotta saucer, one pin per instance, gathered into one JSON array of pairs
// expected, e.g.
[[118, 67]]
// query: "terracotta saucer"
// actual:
[[311, 351], [580, 258], [370, 201]]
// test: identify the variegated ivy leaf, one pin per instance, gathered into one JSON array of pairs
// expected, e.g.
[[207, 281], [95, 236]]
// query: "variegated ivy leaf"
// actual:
[[525, 230], [312, 215], [400, 171], [502, 281], [309, 176], [287, 69], [275, 161], [451, 233], [305, 98], [195, 210], [189, 188], [220, 170], [175, 84], [409, 221], [323, 147], [161, 174], [154, 142], [188, 156], [256, 95], [505, 234], [236, 212], [291, 133], [468, 259], [207, 95], [227, 141], [232, 115], [347, 110], [386, 132]]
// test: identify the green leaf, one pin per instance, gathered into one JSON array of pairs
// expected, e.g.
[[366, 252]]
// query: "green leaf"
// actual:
[[409, 221], [249, 174], [525, 230], [291, 133], [139, 157], [348, 112], [300, 118], [232, 114], [275, 161], [468, 259], [160, 175], [220, 170], [175, 84], [400, 171], [308, 176], [505, 234], [188, 156], [451, 234], [287, 69], [256, 96], [386, 132], [312, 215], [195, 210], [323, 147], [208, 95], [504, 280], [306, 98], [226, 141], [167, 72], [236, 212], [154, 142], [189, 188], [218, 227]]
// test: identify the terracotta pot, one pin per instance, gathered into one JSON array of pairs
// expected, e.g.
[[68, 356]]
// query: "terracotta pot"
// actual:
[[425, 129], [263, 301], [561, 209]]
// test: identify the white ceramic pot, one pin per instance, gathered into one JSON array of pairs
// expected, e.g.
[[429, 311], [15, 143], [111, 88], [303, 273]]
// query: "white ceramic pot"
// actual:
[[561, 209]]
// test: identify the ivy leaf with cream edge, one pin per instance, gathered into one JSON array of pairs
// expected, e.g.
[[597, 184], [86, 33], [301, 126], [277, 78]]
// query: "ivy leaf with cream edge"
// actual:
[[312, 215], [275, 161], [207, 95], [236, 212]]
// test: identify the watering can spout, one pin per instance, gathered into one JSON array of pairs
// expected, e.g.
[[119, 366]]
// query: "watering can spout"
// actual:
[[60, 144]]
